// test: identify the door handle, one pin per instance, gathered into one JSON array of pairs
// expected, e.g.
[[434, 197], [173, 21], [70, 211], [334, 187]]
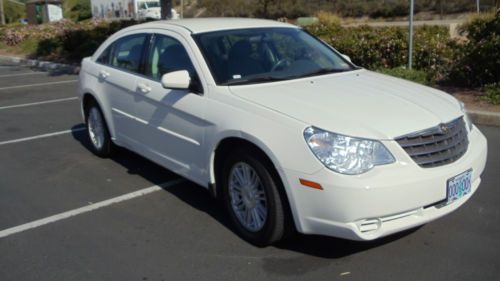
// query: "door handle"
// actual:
[[143, 88], [103, 74]]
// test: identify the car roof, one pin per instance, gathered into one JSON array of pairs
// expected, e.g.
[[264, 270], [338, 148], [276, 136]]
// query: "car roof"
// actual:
[[201, 25]]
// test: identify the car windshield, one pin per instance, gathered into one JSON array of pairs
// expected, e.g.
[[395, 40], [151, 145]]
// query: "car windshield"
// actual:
[[149, 4], [248, 56]]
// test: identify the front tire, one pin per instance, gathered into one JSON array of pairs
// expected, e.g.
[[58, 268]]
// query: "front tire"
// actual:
[[98, 132], [252, 198]]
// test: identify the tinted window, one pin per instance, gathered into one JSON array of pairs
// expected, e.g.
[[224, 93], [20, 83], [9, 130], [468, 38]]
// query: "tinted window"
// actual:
[[127, 52], [167, 55], [104, 57]]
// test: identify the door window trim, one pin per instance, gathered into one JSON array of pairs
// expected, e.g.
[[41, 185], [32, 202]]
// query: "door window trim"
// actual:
[[112, 45], [149, 50]]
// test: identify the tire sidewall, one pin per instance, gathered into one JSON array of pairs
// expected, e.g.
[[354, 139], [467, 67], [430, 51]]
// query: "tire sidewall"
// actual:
[[105, 150], [267, 234]]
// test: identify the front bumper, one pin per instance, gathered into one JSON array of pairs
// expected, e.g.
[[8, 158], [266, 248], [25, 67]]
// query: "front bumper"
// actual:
[[385, 200]]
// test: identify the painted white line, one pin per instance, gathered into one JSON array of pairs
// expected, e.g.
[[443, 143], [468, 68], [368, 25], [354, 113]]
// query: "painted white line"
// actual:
[[38, 84], [43, 136], [22, 74], [37, 103], [86, 209]]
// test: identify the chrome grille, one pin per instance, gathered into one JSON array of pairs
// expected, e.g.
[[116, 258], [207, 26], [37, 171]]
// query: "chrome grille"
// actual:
[[438, 145]]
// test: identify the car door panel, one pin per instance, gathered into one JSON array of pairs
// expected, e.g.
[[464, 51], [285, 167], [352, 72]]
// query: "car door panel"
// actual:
[[173, 127], [120, 88], [173, 124], [120, 80]]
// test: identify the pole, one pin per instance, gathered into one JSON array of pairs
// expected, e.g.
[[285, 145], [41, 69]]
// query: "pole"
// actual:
[[477, 6], [182, 9], [47, 11], [410, 39], [2, 16], [166, 9]]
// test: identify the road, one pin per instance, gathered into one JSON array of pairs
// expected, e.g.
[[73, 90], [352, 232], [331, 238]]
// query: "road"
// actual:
[[178, 232]]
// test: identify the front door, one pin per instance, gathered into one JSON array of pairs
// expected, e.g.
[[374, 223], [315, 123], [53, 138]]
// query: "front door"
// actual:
[[173, 124]]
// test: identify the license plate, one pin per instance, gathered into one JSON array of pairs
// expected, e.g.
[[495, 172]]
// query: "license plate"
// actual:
[[458, 186]]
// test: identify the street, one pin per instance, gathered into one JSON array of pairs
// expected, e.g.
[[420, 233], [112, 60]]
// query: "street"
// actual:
[[176, 231]]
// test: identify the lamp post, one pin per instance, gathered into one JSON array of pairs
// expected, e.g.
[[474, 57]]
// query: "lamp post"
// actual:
[[477, 6], [410, 37]]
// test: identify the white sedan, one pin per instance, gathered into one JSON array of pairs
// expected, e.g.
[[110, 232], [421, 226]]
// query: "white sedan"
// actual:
[[284, 129]]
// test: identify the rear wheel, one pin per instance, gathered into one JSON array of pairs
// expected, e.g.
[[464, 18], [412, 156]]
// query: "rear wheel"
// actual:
[[98, 132], [252, 199]]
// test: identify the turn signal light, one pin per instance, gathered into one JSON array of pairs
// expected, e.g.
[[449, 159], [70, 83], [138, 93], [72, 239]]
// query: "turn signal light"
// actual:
[[311, 184]]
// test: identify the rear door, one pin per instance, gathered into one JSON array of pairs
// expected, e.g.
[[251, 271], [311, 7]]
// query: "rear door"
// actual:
[[119, 78]]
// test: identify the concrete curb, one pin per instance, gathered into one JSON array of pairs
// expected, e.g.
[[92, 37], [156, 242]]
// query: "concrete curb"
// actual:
[[484, 117], [477, 116], [51, 67]]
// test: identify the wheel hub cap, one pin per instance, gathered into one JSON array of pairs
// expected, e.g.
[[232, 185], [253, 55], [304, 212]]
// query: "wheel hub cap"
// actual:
[[96, 128], [248, 198]]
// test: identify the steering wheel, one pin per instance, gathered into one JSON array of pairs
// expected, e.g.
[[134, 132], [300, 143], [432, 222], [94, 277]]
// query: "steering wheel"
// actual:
[[281, 63]]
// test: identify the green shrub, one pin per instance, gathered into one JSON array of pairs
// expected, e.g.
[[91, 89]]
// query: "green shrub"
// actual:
[[478, 62], [418, 76], [77, 10], [492, 93], [387, 47]]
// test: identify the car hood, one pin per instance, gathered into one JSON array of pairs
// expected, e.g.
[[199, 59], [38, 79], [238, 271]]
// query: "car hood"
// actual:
[[357, 103]]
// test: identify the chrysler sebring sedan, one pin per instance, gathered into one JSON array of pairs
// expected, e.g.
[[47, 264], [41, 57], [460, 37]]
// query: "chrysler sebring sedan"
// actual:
[[286, 131]]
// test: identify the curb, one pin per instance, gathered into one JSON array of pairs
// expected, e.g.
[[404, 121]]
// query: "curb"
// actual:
[[51, 67], [484, 117]]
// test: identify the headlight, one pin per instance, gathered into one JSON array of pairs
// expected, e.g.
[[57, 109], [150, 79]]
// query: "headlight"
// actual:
[[466, 116], [346, 155]]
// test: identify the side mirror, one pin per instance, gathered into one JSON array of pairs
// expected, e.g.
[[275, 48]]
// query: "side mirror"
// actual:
[[179, 80], [346, 57]]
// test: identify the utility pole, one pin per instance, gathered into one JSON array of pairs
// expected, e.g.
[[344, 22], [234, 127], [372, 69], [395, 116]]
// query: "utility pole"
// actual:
[[182, 9], [166, 9], [477, 6], [410, 37], [2, 16], [47, 10]]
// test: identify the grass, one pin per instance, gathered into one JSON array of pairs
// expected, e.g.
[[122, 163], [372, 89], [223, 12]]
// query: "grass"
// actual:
[[418, 76], [492, 93]]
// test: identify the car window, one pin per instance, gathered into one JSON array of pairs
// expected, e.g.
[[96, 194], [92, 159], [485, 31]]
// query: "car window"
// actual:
[[127, 52], [167, 55], [256, 55], [105, 55]]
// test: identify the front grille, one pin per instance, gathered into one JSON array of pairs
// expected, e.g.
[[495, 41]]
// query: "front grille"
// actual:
[[438, 145]]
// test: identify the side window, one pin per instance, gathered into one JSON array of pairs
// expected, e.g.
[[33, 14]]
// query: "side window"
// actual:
[[104, 57], [167, 55], [127, 52]]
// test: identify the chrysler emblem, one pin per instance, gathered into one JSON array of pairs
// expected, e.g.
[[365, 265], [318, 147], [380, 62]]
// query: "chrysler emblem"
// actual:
[[444, 129]]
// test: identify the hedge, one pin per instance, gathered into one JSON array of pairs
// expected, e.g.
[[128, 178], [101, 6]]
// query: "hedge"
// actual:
[[473, 62]]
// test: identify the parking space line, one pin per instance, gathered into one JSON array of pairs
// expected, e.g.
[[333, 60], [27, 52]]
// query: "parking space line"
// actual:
[[74, 130], [86, 209], [22, 74], [37, 103], [38, 84]]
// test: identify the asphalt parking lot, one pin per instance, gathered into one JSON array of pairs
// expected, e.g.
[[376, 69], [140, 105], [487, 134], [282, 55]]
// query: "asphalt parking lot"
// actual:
[[60, 218]]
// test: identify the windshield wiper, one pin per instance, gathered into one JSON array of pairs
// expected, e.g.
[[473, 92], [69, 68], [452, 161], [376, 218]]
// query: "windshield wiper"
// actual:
[[259, 79], [323, 71]]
